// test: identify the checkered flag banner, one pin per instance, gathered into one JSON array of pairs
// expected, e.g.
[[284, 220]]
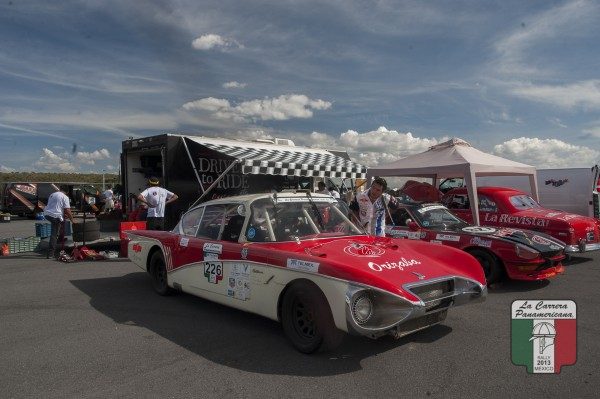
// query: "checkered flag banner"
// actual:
[[290, 162]]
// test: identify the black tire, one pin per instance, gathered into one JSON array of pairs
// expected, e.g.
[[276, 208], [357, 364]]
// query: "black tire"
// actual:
[[158, 273], [306, 319], [91, 225], [489, 263], [87, 235]]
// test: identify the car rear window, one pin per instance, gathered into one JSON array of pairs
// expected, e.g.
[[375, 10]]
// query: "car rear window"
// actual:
[[523, 202]]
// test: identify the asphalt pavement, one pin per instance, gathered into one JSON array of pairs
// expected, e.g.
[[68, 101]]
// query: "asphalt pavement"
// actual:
[[97, 329]]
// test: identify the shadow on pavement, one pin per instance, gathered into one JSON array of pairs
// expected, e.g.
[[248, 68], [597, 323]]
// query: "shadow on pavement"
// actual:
[[517, 286], [576, 260], [227, 336]]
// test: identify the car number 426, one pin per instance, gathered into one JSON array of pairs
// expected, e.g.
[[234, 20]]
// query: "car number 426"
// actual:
[[213, 271]]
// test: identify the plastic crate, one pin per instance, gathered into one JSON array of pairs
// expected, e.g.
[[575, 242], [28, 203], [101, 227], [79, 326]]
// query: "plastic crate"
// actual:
[[25, 244], [43, 230]]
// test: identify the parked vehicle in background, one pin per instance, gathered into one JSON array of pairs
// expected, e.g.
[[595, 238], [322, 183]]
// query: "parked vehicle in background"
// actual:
[[27, 199], [573, 190], [199, 168], [510, 208], [517, 253], [297, 258]]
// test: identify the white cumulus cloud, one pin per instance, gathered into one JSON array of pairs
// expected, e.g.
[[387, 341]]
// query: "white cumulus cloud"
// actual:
[[90, 158], [234, 85], [51, 162], [547, 153], [214, 41], [284, 107], [371, 148]]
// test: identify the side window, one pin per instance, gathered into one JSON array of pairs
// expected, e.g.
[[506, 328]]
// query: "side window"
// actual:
[[487, 205], [211, 222], [233, 224], [400, 217], [190, 222], [459, 201]]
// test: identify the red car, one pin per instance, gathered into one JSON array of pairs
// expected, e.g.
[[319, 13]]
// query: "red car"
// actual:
[[507, 207], [520, 254], [298, 259]]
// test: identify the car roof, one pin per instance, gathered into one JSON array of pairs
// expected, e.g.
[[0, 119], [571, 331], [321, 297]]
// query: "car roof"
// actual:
[[486, 190], [240, 199]]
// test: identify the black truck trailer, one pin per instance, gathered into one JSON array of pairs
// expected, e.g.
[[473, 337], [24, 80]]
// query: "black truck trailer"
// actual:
[[199, 168]]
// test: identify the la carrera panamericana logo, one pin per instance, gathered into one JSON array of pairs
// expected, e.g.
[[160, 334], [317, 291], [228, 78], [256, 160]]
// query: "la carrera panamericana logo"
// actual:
[[544, 335], [364, 250]]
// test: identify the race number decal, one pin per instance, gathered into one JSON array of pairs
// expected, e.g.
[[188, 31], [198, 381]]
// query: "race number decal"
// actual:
[[213, 271]]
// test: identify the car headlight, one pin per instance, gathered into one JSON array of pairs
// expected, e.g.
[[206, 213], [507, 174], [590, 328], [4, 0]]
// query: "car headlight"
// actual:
[[362, 308], [374, 309], [525, 252]]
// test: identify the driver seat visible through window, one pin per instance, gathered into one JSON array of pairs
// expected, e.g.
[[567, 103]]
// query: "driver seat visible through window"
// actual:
[[233, 229]]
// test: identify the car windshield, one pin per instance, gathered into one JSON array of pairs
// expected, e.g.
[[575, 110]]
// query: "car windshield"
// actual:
[[523, 202], [295, 218], [436, 216]]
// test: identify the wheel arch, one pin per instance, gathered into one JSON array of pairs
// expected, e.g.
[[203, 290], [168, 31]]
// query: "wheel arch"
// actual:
[[291, 284], [155, 248]]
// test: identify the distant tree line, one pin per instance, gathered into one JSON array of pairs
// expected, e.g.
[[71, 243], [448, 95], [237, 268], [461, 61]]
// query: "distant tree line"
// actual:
[[36, 177]]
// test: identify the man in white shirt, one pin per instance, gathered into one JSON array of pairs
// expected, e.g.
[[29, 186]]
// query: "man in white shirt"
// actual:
[[370, 207], [56, 210], [156, 198], [109, 203], [334, 193]]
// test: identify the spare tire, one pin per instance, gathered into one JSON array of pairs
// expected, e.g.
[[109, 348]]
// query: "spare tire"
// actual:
[[79, 236]]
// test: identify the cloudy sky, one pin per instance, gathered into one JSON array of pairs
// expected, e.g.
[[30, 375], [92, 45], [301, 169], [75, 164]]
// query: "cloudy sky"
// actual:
[[380, 79]]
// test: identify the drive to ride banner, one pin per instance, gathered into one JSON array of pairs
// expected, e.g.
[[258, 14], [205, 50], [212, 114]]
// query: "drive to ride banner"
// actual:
[[543, 334]]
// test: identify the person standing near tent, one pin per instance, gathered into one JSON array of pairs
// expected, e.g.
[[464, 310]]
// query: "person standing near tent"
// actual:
[[156, 198], [109, 203], [57, 208], [371, 206]]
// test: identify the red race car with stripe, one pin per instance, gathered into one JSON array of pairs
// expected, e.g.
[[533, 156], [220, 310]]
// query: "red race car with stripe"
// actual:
[[517, 253], [510, 208], [298, 259]]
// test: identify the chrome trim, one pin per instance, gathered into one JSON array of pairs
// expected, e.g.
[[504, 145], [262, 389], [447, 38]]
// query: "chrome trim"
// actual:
[[588, 247], [415, 310]]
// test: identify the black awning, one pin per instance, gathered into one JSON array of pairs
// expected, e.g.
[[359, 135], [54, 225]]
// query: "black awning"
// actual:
[[271, 159]]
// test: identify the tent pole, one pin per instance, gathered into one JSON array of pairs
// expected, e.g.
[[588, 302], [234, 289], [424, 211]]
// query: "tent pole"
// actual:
[[534, 187], [471, 181]]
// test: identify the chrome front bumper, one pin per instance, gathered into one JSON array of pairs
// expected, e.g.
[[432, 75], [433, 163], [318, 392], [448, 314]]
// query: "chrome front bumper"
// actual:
[[570, 249], [422, 314]]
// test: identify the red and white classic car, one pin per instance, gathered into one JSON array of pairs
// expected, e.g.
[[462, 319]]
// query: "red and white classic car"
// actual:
[[297, 258], [507, 207], [519, 254]]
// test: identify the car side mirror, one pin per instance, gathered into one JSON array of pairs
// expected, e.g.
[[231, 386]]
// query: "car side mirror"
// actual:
[[412, 226]]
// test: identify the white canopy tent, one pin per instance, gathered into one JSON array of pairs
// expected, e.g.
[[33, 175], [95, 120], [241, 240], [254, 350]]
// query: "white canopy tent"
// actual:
[[456, 158]]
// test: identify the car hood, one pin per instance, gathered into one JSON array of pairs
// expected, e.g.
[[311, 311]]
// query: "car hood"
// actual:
[[541, 242], [382, 262]]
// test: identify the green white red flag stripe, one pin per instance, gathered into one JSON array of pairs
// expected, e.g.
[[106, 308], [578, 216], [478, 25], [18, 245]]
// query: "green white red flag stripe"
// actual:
[[544, 334]]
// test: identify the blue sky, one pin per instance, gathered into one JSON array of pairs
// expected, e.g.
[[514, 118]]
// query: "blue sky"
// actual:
[[381, 79]]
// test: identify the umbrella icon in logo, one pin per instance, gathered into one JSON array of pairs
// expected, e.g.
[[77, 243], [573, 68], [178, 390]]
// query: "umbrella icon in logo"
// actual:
[[545, 332]]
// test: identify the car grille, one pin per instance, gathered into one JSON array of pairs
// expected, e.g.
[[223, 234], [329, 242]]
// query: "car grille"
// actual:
[[437, 295]]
